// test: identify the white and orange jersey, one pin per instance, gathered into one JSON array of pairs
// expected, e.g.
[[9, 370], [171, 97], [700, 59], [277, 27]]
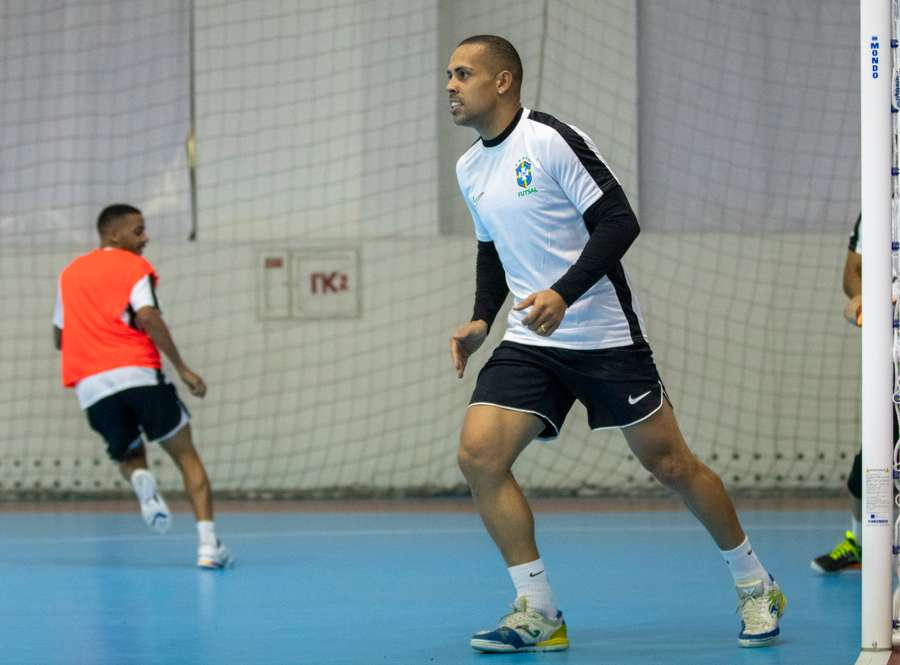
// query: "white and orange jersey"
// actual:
[[102, 351]]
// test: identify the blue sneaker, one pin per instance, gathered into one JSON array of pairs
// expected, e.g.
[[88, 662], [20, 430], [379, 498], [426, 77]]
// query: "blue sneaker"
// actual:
[[523, 629], [760, 605]]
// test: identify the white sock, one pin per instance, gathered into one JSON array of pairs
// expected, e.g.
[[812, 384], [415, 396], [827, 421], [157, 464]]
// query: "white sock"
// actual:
[[856, 528], [144, 484], [743, 564], [206, 531], [530, 580]]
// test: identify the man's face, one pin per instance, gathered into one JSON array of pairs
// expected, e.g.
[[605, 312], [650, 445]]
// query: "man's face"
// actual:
[[472, 86], [129, 234]]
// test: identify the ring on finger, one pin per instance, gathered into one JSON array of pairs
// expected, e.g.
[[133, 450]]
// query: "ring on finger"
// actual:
[[542, 329]]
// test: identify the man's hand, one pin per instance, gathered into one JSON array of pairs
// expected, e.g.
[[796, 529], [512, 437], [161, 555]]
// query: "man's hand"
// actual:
[[547, 311], [193, 381], [151, 322], [465, 341], [853, 310]]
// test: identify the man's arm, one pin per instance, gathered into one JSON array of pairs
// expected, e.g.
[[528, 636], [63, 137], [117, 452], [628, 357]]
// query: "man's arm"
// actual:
[[613, 227], [490, 292], [151, 322], [852, 281], [853, 274], [490, 284], [853, 287]]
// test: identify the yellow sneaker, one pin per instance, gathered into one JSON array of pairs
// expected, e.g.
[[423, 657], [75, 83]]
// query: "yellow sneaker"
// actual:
[[523, 629], [845, 557]]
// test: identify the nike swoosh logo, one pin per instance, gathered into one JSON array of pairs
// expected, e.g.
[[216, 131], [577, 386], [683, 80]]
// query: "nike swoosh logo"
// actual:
[[635, 400], [535, 574], [476, 199], [533, 633]]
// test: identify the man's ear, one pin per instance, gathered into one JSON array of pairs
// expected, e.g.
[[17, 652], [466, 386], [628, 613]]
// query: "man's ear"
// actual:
[[504, 82], [114, 232]]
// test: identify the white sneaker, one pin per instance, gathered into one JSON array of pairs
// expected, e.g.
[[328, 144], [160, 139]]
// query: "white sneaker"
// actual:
[[156, 513], [523, 629], [760, 605], [214, 557], [154, 510]]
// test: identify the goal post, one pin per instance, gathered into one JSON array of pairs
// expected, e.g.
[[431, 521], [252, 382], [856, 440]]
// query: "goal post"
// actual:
[[877, 382]]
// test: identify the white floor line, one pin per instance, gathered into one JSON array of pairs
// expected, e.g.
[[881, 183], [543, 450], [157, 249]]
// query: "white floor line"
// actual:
[[423, 531]]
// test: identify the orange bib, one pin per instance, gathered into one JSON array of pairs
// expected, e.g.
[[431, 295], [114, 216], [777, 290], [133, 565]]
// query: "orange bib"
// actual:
[[96, 288]]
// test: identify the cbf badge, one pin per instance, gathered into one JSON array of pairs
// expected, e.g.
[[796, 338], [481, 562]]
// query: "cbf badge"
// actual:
[[523, 173], [524, 177]]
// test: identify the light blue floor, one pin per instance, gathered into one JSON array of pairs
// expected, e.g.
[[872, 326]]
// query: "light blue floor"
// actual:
[[403, 588]]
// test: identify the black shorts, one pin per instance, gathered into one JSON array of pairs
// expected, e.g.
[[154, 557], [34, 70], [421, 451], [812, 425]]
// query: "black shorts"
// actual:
[[619, 386], [120, 418], [854, 480]]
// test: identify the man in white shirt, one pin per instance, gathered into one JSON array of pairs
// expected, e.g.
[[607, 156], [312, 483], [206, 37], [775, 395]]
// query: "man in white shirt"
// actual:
[[552, 224]]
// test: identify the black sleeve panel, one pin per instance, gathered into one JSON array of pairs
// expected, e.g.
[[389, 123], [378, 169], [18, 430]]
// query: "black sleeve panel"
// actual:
[[613, 227], [490, 284], [854, 237], [153, 292]]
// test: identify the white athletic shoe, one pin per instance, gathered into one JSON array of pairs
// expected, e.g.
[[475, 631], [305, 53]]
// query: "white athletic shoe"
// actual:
[[156, 513], [214, 558], [154, 510], [523, 629], [760, 605]]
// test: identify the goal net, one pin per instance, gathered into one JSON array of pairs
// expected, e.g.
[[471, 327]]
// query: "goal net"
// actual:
[[333, 255]]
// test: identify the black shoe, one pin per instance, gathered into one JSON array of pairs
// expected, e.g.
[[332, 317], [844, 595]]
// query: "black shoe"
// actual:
[[846, 556]]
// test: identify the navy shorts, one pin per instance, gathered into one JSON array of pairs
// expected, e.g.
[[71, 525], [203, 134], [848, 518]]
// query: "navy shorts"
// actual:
[[618, 386], [121, 417]]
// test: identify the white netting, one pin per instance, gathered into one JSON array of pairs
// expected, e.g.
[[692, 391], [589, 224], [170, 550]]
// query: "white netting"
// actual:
[[323, 146]]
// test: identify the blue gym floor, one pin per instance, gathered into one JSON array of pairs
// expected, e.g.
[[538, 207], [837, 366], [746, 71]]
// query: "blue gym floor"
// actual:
[[403, 588]]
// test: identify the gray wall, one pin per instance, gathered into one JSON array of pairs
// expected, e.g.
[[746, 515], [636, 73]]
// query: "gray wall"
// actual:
[[749, 115], [580, 62]]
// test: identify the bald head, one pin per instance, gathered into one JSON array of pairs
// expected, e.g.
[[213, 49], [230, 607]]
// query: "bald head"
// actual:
[[484, 81], [500, 56]]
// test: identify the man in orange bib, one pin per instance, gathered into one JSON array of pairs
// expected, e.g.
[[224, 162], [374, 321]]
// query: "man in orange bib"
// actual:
[[106, 304]]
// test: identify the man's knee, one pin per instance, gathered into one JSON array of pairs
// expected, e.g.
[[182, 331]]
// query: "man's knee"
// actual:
[[671, 468], [478, 456]]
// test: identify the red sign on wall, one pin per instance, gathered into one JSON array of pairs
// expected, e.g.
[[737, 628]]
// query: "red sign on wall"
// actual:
[[309, 283], [333, 282]]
